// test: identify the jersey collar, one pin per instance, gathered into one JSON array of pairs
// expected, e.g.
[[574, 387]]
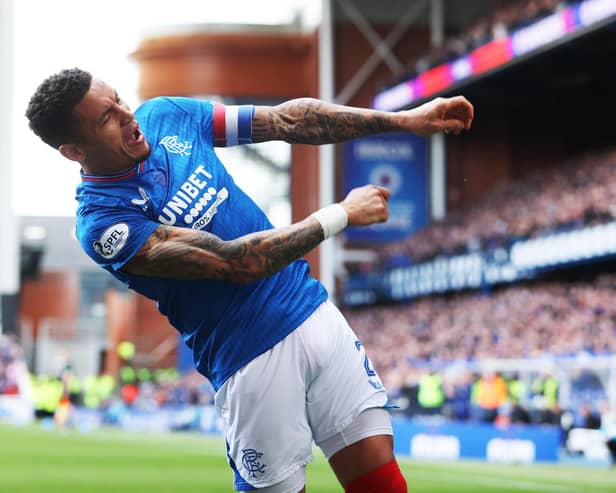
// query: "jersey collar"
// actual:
[[113, 178]]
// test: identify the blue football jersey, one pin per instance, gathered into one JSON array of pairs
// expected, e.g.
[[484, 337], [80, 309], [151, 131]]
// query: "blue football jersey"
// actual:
[[184, 184]]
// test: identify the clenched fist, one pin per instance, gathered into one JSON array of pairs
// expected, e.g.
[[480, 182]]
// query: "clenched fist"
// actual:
[[449, 115], [366, 205]]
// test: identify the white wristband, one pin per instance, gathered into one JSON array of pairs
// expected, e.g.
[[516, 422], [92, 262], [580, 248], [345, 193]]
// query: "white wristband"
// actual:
[[333, 219]]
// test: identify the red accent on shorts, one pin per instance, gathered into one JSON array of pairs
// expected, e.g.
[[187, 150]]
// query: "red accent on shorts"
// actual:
[[384, 479]]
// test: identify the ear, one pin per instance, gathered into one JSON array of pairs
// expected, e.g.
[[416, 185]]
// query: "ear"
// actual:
[[73, 152]]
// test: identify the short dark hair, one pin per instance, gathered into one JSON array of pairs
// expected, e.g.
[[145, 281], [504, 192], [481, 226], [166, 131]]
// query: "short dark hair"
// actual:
[[50, 111]]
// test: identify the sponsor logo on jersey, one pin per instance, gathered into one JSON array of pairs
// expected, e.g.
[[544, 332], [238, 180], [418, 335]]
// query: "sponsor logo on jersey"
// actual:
[[111, 241], [174, 146], [252, 463], [194, 197], [211, 211]]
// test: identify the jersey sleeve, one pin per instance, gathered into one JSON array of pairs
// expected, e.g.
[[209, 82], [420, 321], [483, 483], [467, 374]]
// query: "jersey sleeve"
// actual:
[[221, 125], [111, 237], [232, 124]]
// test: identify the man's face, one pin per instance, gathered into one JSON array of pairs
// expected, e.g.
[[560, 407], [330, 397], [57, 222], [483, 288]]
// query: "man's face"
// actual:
[[110, 138]]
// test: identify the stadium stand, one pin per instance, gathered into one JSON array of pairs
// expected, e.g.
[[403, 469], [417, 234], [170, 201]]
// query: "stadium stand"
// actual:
[[579, 192], [503, 20], [517, 321], [548, 317]]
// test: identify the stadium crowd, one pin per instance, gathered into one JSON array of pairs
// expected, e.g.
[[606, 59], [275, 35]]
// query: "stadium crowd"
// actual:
[[509, 16], [400, 350], [12, 368], [138, 389], [520, 321], [578, 193]]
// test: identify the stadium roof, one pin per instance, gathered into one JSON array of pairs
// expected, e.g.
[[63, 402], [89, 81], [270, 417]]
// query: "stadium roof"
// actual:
[[570, 49]]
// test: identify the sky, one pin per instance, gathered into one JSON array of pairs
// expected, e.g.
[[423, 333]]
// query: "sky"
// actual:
[[98, 37]]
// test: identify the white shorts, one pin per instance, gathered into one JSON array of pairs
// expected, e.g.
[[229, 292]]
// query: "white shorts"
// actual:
[[310, 386]]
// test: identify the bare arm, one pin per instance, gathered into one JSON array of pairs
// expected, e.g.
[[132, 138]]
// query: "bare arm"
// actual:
[[311, 121], [181, 253]]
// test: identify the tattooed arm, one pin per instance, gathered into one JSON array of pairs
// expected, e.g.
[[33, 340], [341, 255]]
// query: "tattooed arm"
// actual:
[[311, 121], [182, 253]]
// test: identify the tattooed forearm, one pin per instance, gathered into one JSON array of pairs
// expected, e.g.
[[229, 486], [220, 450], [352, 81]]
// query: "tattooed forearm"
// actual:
[[270, 251], [185, 254], [310, 121]]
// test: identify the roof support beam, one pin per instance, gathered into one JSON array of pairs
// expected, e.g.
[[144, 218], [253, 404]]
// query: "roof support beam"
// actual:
[[438, 156], [382, 47], [327, 158]]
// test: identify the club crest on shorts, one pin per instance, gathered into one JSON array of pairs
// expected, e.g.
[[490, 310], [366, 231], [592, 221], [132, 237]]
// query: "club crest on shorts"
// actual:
[[250, 460], [111, 241]]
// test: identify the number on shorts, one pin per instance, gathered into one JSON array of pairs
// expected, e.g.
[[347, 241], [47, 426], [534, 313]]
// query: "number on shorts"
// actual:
[[369, 370]]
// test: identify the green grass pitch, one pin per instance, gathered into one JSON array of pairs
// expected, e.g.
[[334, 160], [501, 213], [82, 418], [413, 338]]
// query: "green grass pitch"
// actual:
[[33, 460]]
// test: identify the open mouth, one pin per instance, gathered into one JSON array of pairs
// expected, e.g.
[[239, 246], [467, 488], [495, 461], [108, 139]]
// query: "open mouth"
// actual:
[[135, 138]]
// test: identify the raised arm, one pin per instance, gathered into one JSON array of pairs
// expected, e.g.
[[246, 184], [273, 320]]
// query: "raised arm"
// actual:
[[182, 253], [311, 121]]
